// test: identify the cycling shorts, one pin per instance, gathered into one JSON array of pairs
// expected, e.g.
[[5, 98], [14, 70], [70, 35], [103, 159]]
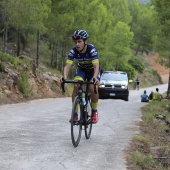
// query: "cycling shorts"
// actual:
[[85, 74]]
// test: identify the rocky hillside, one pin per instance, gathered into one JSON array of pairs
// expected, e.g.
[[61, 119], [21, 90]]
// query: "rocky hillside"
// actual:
[[42, 84]]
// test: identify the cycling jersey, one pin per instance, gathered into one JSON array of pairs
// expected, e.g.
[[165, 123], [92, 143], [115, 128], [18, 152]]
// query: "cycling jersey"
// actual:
[[85, 60]]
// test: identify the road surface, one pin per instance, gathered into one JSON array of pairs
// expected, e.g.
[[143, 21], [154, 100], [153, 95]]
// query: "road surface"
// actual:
[[36, 135]]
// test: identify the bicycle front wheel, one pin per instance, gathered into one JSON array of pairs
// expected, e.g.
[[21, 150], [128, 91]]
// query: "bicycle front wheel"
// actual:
[[88, 126], [76, 122]]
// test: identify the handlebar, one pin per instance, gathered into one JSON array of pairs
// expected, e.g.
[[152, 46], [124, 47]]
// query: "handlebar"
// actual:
[[77, 82]]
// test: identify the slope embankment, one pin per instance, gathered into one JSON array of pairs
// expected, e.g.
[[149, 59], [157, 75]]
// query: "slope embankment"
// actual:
[[163, 71]]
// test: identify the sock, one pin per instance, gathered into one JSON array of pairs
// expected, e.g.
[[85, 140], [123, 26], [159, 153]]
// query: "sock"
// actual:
[[94, 106], [76, 110]]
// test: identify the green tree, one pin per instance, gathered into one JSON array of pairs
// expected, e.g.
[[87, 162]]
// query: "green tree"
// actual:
[[143, 25], [163, 44], [26, 15], [121, 11], [122, 37]]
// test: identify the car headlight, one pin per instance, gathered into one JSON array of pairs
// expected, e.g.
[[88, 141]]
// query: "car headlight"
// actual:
[[124, 87], [101, 85]]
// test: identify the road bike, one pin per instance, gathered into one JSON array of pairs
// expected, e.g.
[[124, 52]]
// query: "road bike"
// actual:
[[82, 108]]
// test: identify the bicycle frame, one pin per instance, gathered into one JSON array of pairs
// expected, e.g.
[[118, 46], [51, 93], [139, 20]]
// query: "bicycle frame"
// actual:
[[85, 114]]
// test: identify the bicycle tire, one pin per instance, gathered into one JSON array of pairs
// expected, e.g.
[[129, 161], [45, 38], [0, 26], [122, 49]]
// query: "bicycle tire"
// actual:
[[88, 126], [76, 126]]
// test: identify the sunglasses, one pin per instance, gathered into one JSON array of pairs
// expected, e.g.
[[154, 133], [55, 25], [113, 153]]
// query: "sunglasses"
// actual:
[[77, 37]]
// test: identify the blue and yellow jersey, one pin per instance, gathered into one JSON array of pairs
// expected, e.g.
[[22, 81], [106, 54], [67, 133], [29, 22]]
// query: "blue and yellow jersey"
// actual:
[[85, 60]]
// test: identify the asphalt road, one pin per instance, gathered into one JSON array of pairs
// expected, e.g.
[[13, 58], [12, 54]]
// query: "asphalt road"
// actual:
[[36, 135]]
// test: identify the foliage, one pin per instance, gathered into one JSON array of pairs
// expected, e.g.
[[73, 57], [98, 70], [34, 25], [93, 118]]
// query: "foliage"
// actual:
[[136, 63], [8, 58], [129, 69], [142, 139], [152, 135], [122, 37], [26, 14], [162, 44], [24, 84], [154, 72], [114, 28], [144, 161], [144, 25], [2, 66]]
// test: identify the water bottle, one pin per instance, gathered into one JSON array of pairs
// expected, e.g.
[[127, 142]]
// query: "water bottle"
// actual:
[[83, 99]]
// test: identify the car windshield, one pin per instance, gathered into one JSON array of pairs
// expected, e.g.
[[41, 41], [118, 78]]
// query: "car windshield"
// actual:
[[114, 77]]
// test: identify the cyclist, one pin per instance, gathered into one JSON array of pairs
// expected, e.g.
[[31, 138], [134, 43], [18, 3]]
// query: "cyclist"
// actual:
[[88, 66], [137, 83]]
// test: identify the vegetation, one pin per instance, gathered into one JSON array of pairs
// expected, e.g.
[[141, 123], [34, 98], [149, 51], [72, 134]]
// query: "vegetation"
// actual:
[[8, 58], [162, 43], [151, 149], [124, 32], [24, 85], [49, 24], [136, 63]]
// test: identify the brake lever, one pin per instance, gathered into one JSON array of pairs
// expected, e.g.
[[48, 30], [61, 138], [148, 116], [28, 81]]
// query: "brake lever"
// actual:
[[62, 85]]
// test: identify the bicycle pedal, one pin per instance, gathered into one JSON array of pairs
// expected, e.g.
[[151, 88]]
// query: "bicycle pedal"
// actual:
[[76, 122], [89, 121]]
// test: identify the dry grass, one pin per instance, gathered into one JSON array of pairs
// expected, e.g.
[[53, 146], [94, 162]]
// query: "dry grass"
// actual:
[[151, 148]]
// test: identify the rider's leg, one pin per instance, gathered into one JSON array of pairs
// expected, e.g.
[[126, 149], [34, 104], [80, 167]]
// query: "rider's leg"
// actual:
[[80, 75], [94, 97], [94, 100], [75, 89]]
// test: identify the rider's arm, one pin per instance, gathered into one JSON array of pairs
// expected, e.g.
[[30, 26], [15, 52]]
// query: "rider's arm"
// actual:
[[96, 69], [66, 70], [69, 62]]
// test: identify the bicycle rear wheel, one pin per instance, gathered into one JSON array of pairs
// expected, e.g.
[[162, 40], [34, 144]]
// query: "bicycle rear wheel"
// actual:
[[88, 126], [76, 125]]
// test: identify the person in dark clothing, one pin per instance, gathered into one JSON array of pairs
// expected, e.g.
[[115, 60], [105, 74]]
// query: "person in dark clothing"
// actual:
[[137, 83], [151, 95]]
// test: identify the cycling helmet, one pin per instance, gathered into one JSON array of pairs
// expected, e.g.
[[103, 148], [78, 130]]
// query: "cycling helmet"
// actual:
[[80, 34]]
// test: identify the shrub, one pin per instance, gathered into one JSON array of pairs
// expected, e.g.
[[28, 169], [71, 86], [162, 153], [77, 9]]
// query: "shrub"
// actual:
[[24, 85], [155, 73], [136, 63], [7, 58], [127, 68], [144, 161], [2, 67]]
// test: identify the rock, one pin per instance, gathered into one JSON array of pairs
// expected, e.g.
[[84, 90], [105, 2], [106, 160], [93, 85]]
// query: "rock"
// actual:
[[168, 123], [4, 87], [47, 77], [161, 117], [8, 93], [22, 56], [15, 78], [9, 83]]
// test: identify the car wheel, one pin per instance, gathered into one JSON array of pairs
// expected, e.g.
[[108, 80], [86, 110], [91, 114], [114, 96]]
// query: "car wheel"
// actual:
[[126, 98]]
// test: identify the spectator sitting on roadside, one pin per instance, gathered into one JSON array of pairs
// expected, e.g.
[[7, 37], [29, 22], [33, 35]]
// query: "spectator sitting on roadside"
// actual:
[[151, 95], [144, 97], [157, 95]]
